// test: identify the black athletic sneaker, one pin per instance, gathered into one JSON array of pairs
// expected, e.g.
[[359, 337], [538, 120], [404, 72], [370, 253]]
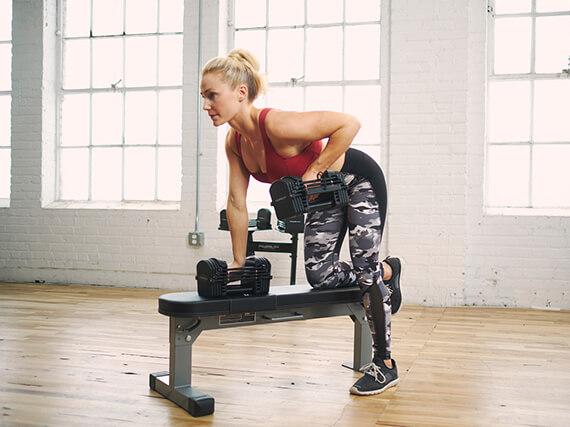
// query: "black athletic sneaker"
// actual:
[[394, 283], [376, 379]]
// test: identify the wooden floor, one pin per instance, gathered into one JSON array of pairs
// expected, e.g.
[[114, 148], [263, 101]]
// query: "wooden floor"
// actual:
[[77, 355]]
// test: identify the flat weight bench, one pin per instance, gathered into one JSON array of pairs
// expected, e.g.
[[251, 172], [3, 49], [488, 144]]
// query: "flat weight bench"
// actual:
[[191, 314]]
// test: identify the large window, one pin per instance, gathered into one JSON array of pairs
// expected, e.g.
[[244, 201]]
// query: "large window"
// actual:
[[5, 97], [528, 150], [317, 55], [121, 100]]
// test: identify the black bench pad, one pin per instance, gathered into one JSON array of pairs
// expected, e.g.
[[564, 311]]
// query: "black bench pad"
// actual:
[[190, 304]]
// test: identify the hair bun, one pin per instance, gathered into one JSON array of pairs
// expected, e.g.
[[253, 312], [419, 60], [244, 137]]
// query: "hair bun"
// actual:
[[244, 57]]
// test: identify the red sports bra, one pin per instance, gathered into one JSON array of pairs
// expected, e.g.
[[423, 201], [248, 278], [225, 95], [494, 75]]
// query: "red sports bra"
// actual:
[[279, 166]]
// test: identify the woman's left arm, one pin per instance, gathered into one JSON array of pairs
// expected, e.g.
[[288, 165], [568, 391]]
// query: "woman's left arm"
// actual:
[[302, 127]]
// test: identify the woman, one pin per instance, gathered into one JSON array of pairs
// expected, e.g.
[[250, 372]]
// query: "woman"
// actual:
[[269, 144]]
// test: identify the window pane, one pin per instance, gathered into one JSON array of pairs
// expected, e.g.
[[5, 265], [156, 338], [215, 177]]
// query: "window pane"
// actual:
[[77, 19], [107, 62], [76, 64], [551, 176], [552, 5], [106, 174], [139, 173], [258, 192], [363, 102], [327, 98], [324, 54], [5, 20], [291, 12], [170, 61], [5, 122], [286, 98], [509, 111], [75, 120], [552, 44], [362, 52], [107, 118], [362, 10], [141, 16], [324, 11], [508, 176], [5, 168], [74, 173], [512, 6], [140, 67], [140, 118], [512, 45], [253, 41], [169, 173], [171, 16], [5, 67], [170, 117], [249, 13], [551, 110], [285, 57], [107, 17]]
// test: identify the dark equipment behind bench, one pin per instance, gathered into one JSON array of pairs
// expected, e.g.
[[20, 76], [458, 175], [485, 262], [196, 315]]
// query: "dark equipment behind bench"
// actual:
[[191, 314], [293, 226]]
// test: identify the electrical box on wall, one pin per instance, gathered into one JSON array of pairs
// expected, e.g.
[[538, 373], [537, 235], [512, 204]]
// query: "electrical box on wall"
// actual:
[[196, 238]]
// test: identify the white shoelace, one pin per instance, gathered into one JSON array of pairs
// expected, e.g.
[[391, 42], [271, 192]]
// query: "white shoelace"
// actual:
[[373, 370]]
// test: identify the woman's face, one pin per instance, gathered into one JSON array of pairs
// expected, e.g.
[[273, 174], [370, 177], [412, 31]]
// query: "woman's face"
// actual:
[[221, 102]]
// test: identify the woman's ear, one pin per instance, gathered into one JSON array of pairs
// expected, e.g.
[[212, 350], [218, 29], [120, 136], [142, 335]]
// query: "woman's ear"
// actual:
[[242, 92]]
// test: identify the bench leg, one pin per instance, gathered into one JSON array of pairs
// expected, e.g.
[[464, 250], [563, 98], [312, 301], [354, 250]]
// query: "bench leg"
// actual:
[[175, 385], [362, 350]]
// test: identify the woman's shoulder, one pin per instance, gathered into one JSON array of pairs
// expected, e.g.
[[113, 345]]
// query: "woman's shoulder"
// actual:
[[232, 137]]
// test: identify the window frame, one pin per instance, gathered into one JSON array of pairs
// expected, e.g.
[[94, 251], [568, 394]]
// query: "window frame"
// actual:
[[5, 201], [120, 88], [531, 77]]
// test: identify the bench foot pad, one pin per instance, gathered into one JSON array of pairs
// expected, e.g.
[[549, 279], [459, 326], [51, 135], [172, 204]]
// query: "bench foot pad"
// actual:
[[188, 398]]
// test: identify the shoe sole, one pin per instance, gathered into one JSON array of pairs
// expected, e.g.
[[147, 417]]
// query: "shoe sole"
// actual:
[[354, 390], [396, 297]]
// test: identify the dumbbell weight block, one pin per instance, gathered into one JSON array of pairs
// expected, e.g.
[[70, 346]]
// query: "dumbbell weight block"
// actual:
[[263, 220], [256, 275], [212, 277], [288, 197], [293, 225]]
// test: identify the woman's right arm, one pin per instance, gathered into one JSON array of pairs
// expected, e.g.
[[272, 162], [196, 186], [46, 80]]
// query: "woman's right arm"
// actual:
[[236, 209]]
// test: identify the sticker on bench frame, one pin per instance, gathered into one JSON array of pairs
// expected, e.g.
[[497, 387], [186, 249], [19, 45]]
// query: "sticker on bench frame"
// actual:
[[238, 318]]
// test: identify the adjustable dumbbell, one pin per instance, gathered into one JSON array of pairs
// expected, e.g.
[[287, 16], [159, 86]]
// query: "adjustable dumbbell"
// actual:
[[262, 222], [215, 279], [290, 196]]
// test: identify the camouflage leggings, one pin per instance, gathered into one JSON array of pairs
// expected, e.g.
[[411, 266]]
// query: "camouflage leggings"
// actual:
[[324, 232]]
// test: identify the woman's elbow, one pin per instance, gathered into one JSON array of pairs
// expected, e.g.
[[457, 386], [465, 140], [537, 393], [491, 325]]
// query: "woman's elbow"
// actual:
[[237, 203]]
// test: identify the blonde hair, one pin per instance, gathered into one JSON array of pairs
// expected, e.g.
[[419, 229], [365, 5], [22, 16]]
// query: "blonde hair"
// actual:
[[238, 67]]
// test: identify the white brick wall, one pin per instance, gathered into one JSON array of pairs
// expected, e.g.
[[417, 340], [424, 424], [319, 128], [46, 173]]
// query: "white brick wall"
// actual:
[[427, 147], [454, 253]]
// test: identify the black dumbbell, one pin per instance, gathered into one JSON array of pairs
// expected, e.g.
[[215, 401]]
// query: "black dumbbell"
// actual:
[[262, 222], [290, 196], [293, 225], [216, 280]]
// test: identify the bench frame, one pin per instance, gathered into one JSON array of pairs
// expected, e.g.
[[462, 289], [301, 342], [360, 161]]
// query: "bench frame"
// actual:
[[176, 384]]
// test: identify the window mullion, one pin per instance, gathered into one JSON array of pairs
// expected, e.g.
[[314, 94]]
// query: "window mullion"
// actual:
[[305, 55], [532, 88], [124, 92]]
